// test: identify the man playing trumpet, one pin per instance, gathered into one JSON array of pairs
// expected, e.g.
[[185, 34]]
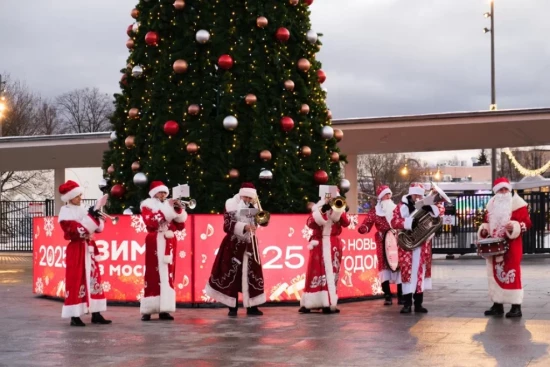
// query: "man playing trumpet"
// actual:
[[235, 269], [162, 217], [325, 254], [83, 287]]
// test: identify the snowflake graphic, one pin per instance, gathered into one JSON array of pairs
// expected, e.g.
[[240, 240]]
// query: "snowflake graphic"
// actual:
[[353, 221], [376, 286], [138, 224], [307, 232], [48, 226], [183, 254], [180, 235], [39, 287], [47, 280], [106, 286], [206, 298], [140, 295]]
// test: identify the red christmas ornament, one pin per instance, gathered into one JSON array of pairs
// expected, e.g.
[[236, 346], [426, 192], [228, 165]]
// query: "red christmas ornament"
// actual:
[[287, 124], [225, 62], [123, 80], [171, 128], [320, 177], [152, 38], [308, 2], [130, 30], [322, 76], [134, 13], [282, 34], [118, 191]]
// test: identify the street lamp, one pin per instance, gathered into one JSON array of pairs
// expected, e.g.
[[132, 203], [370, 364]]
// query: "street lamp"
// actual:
[[2, 102], [493, 106]]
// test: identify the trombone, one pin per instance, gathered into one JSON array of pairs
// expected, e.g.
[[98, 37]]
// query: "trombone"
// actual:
[[261, 218], [105, 216]]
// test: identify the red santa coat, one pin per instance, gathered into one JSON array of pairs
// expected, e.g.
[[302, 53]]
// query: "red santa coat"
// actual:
[[161, 220], [415, 265], [325, 257], [376, 218], [235, 269], [504, 272], [83, 287]]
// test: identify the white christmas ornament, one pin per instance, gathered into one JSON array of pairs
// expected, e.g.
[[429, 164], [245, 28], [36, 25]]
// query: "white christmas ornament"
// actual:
[[327, 132], [135, 27], [137, 71], [312, 36], [230, 123], [202, 36], [113, 136]]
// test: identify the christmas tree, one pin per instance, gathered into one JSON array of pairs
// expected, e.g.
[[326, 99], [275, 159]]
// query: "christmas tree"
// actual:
[[216, 93]]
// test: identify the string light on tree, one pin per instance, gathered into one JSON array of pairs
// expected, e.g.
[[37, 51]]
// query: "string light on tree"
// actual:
[[525, 171]]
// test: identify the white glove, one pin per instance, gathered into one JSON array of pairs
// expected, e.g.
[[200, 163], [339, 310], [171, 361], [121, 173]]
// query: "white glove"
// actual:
[[408, 223]]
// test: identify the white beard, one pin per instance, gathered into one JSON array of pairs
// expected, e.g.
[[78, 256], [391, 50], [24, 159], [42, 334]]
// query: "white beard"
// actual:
[[385, 209], [500, 213]]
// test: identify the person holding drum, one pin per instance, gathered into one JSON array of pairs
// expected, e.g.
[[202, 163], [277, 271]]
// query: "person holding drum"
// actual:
[[388, 262], [416, 264], [501, 244]]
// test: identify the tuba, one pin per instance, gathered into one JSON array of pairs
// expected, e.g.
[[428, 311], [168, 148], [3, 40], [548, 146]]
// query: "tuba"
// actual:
[[424, 225]]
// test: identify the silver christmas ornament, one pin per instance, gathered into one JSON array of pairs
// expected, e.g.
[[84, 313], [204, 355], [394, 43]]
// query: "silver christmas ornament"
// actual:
[[103, 184], [135, 27], [230, 123], [344, 185], [327, 132], [325, 90], [137, 71], [312, 36], [266, 175], [202, 36], [128, 211], [140, 179], [113, 135]]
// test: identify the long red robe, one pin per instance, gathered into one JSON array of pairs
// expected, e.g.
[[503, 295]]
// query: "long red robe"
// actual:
[[504, 272], [161, 220], [235, 269], [325, 257], [83, 287], [376, 218]]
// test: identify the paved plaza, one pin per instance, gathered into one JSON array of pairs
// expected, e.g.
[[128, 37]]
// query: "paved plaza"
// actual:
[[453, 333]]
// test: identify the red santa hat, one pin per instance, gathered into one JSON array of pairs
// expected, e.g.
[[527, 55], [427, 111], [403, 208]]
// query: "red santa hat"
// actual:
[[416, 188], [248, 190], [501, 182], [70, 190], [156, 187], [382, 191]]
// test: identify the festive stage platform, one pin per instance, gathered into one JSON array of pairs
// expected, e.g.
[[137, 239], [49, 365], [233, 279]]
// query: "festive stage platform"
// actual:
[[283, 248]]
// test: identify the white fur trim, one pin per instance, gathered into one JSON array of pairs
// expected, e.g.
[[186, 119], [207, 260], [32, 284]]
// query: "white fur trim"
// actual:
[[515, 232], [335, 216], [248, 192], [220, 297], [98, 305], [158, 189], [149, 305], [383, 193], [483, 226], [90, 225], [315, 300], [318, 217], [416, 191], [181, 218], [389, 276], [327, 262], [410, 287], [427, 283], [435, 211], [502, 185], [168, 234], [168, 259], [239, 228], [408, 223], [247, 301], [232, 205], [168, 211], [72, 194], [312, 244], [404, 209], [498, 294], [74, 310]]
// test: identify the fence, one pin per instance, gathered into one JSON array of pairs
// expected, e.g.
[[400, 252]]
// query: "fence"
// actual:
[[16, 222], [464, 216]]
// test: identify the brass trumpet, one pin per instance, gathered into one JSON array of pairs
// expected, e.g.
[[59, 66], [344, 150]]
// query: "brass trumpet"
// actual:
[[191, 204], [105, 216], [338, 204]]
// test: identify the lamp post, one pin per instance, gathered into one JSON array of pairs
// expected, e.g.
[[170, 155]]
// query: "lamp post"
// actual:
[[2, 103], [493, 106]]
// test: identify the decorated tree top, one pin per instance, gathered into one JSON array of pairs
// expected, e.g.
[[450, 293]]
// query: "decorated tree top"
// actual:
[[220, 92]]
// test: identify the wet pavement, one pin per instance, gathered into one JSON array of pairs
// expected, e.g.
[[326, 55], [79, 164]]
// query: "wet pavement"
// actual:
[[453, 333]]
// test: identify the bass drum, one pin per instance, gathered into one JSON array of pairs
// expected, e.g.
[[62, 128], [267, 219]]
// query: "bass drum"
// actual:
[[391, 250]]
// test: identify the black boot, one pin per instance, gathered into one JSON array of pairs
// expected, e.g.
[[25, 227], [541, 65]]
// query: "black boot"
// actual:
[[407, 303], [304, 310], [496, 310], [515, 311], [400, 295], [146, 317], [253, 311], [387, 293], [165, 316], [75, 321], [97, 318], [418, 300]]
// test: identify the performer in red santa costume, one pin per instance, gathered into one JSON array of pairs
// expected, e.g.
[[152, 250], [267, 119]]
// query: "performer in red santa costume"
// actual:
[[415, 265], [235, 269], [161, 217], [507, 217], [83, 287], [380, 217], [325, 257]]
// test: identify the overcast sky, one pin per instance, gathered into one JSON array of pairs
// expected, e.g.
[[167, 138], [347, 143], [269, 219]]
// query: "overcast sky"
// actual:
[[382, 57]]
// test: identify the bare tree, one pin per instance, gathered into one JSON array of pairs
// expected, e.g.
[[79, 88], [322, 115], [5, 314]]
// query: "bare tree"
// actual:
[[395, 170], [47, 119], [85, 110]]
